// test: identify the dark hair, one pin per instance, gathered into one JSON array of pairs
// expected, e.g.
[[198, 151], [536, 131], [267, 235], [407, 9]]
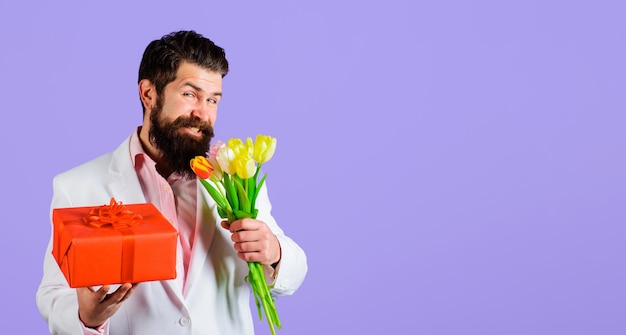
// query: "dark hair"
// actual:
[[162, 57]]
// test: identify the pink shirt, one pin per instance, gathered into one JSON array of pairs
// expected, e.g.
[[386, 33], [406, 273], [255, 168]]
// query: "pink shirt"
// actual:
[[176, 198]]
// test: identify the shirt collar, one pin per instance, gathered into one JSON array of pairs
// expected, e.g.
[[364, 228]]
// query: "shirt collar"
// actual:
[[136, 150], [138, 155]]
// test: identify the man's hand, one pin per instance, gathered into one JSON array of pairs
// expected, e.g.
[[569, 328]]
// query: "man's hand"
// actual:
[[254, 241], [95, 307]]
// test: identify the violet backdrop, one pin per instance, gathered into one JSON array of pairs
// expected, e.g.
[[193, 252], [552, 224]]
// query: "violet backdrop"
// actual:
[[450, 167]]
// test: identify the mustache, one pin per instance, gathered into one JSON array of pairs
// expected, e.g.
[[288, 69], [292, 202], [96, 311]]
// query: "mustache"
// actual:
[[184, 122]]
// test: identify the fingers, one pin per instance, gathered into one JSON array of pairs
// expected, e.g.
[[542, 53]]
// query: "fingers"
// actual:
[[102, 292], [225, 225], [122, 293], [250, 231], [92, 295], [244, 224], [130, 292], [96, 306], [254, 241], [255, 247]]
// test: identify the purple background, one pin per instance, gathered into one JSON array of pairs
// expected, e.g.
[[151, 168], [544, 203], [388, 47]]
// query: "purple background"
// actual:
[[450, 167]]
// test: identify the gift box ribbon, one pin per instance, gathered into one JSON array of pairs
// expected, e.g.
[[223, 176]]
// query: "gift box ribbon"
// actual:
[[116, 215]]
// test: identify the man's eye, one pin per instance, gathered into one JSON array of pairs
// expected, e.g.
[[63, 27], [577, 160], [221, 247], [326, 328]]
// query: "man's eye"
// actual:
[[212, 100], [189, 94]]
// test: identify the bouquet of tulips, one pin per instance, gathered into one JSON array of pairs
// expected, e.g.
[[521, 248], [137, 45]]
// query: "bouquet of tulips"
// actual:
[[230, 174]]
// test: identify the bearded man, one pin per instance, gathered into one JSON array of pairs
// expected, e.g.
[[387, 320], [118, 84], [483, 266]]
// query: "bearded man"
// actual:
[[180, 87]]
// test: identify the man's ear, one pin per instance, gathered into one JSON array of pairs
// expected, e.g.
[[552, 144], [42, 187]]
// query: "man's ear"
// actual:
[[147, 93]]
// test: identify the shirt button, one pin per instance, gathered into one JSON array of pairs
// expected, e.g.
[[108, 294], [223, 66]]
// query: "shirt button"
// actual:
[[184, 321]]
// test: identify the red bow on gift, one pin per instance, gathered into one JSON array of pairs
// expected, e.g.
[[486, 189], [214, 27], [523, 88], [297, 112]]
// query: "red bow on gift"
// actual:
[[115, 214]]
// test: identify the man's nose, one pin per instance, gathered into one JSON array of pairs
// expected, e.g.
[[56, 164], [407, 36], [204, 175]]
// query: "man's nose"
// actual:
[[205, 111]]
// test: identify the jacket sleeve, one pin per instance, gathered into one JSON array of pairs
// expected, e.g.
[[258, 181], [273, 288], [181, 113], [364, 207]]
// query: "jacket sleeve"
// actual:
[[57, 302], [293, 267]]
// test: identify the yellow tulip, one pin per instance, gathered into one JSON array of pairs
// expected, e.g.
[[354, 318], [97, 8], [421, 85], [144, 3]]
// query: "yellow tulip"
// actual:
[[237, 146], [201, 167], [244, 165], [250, 146], [264, 147]]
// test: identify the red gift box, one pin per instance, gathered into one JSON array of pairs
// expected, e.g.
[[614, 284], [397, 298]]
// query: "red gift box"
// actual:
[[113, 244]]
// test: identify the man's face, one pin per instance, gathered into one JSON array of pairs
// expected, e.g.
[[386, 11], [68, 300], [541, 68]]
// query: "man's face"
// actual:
[[181, 123]]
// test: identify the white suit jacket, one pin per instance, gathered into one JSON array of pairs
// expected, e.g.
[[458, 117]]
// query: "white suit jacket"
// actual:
[[217, 299]]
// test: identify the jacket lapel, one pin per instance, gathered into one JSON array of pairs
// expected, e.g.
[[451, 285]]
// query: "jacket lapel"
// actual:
[[124, 184], [205, 230]]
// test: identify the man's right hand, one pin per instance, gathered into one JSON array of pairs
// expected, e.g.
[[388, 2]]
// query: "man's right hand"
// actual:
[[97, 306]]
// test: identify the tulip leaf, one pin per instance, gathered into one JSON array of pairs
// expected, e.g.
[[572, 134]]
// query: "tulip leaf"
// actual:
[[242, 215], [243, 197], [222, 212], [231, 217], [231, 194], [221, 202]]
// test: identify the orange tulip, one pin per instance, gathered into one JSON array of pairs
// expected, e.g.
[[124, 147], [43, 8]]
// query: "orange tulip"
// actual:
[[201, 167]]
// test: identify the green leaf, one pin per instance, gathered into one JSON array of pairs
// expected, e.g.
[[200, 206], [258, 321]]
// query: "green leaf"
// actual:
[[222, 213], [231, 194], [243, 197], [242, 215], [231, 217], [215, 194]]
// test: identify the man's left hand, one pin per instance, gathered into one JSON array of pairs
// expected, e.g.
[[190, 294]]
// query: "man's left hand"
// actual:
[[254, 241]]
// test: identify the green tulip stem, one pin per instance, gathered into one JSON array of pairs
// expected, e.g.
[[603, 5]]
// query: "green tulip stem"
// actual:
[[256, 173], [261, 292]]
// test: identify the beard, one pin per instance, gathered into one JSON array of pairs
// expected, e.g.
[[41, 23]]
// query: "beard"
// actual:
[[176, 145]]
